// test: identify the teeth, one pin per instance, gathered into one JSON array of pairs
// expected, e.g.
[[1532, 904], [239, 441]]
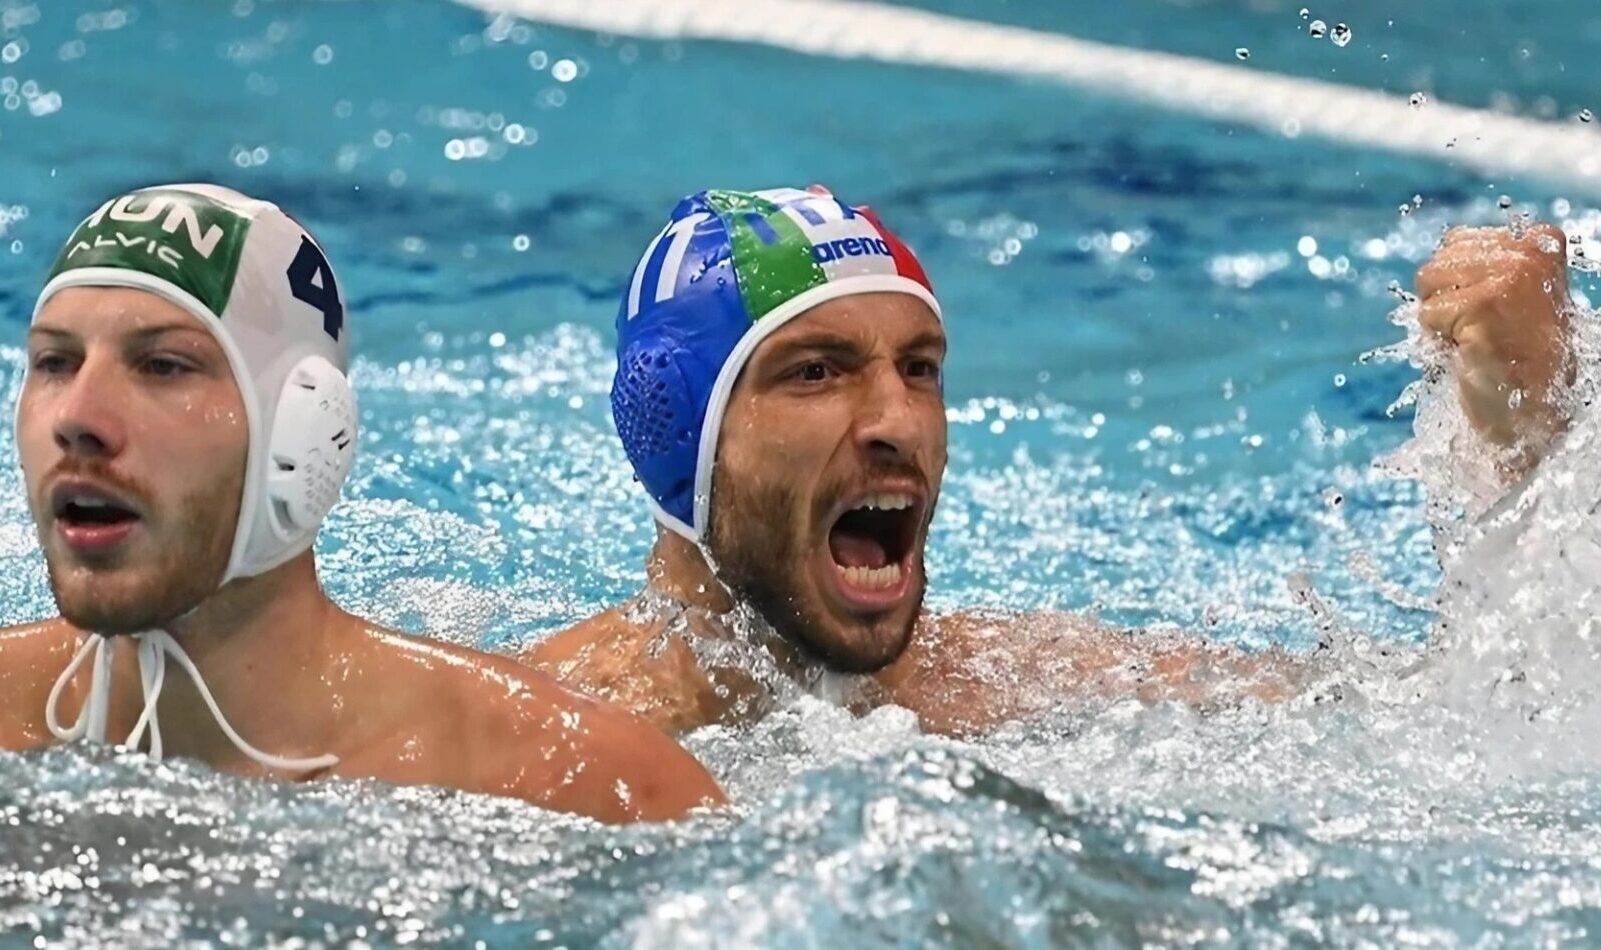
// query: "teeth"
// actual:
[[867, 578], [88, 501], [887, 502]]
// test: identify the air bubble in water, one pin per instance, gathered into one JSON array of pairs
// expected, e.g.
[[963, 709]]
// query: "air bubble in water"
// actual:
[[1341, 35], [1585, 115], [1317, 29], [1242, 53], [1504, 202], [1339, 380], [1419, 100]]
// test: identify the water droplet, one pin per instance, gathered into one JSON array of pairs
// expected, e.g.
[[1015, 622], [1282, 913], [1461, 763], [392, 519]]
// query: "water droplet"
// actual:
[[1504, 202], [1339, 379], [1514, 399], [1341, 35], [1318, 29], [1242, 53], [1305, 13], [1419, 100], [1404, 208], [1585, 115], [520, 242], [1332, 498], [1417, 201]]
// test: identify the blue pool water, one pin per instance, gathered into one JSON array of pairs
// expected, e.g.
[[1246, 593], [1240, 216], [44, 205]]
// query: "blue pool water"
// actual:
[[1156, 399]]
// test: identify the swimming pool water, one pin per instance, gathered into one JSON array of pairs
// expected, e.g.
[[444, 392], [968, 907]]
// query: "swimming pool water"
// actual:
[[1157, 413]]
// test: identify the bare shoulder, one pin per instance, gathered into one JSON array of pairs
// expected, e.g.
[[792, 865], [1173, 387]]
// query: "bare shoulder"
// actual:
[[949, 643], [633, 665], [579, 644], [500, 727], [32, 656], [41, 639], [969, 671]]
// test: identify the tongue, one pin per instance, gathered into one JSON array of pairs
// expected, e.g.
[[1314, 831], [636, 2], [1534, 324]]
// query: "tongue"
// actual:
[[856, 550]]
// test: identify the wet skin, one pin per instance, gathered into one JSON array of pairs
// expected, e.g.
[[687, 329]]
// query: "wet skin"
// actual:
[[1500, 302], [132, 439], [843, 404]]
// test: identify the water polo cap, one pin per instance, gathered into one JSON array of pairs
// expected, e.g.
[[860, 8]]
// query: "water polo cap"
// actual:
[[730, 268], [260, 283]]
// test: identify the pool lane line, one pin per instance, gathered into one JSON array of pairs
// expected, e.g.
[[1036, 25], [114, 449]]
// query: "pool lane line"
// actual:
[[1488, 142]]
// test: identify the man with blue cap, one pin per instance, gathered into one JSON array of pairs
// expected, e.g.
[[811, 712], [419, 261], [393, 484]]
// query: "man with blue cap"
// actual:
[[184, 427], [779, 395]]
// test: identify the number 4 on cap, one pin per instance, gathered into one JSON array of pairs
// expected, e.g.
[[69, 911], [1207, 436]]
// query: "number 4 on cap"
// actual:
[[311, 280]]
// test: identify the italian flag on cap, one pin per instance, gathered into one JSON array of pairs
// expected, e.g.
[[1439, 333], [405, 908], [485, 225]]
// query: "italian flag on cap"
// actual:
[[787, 243]]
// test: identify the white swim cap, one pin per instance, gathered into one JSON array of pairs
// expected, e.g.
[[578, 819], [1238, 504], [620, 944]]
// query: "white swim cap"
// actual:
[[262, 285]]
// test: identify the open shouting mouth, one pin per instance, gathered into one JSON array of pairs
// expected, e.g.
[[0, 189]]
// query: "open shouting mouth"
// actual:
[[875, 546]]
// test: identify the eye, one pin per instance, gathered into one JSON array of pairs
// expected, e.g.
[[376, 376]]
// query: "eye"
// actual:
[[165, 367], [815, 371], [923, 369], [49, 363]]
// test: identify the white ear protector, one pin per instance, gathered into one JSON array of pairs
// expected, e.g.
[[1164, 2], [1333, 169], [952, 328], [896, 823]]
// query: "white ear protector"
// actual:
[[311, 450]]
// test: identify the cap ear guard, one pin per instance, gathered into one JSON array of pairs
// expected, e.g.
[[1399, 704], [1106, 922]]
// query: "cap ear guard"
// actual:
[[311, 450], [656, 416]]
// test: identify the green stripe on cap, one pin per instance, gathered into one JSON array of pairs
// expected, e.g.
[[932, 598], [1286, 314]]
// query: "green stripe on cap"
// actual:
[[189, 240], [772, 257]]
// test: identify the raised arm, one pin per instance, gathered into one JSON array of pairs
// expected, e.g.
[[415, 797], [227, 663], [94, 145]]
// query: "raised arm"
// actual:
[[1501, 303]]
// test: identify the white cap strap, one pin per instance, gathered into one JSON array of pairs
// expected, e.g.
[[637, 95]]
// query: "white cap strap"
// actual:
[[154, 648]]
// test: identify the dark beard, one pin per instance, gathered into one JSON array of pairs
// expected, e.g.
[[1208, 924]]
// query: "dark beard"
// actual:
[[760, 558]]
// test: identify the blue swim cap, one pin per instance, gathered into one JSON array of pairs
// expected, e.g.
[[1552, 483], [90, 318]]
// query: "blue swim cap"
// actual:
[[730, 268]]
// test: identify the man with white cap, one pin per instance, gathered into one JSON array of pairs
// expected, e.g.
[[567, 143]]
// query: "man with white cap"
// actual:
[[184, 427]]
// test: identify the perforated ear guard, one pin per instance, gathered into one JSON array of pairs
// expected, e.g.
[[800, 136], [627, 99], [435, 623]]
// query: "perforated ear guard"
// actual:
[[312, 448], [654, 408]]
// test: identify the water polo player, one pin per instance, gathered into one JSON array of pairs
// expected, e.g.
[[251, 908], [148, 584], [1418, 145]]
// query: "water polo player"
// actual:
[[184, 427], [779, 394]]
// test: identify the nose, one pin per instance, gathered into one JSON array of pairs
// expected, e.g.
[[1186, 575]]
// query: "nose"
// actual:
[[89, 420], [887, 424]]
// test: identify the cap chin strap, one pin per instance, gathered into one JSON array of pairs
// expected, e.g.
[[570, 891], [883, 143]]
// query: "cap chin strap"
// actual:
[[154, 648]]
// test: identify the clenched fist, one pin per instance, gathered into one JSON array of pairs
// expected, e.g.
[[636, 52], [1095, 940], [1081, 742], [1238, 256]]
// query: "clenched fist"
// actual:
[[1501, 303]]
